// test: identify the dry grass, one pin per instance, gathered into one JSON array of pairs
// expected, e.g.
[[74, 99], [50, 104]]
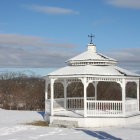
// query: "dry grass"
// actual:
[[38, 123]]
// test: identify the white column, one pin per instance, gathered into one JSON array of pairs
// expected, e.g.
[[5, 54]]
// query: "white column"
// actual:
[[138, 94], [46, 95], [65, 94], [52, 95], [123, 95], [95, 86], [85, 96]]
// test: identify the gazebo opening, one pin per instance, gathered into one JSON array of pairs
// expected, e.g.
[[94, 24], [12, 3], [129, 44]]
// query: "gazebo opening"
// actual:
[[109, 91], [75, 89], [58, 90], [131, 90], [90, 90]]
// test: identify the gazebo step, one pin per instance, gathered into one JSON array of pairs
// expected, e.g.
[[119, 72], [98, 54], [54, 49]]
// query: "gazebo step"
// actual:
[[64, 123]]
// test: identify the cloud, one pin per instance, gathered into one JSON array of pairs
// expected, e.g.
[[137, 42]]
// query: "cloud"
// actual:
[[34, 58], [125, 3], [17, 50], [50, 10], [104, 20], [128, 58], [2, 23], [138, 72], [19, 40]]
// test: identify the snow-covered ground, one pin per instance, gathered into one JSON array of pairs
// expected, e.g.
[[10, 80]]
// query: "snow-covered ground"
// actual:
[[12, 128]]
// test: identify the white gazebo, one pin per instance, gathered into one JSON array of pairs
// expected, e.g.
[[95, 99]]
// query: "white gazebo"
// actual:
[[91, 67]]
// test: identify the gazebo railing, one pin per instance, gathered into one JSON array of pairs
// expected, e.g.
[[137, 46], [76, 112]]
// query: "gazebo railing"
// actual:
[[58, 104], [96, 107], [104, 108], [131, 106], [77, 103]]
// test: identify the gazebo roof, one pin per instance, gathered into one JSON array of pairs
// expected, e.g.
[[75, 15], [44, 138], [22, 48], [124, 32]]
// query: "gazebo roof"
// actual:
[[92, 63], [91, 55], [92, 70]]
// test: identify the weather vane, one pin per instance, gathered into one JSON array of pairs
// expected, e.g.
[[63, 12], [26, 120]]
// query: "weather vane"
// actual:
[[91, 36]]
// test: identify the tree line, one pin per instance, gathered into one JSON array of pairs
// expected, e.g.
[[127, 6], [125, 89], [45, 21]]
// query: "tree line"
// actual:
[[20, 91]]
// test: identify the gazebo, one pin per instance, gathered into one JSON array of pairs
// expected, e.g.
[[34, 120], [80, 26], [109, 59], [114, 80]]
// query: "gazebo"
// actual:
[[91, 67]]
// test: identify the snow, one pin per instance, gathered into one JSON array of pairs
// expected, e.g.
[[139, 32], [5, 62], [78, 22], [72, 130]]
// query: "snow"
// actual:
[[12, 128], [91, 54], [92, 70]]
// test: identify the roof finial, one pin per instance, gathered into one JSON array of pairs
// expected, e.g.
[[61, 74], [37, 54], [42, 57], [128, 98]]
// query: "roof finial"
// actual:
[[91, 36]]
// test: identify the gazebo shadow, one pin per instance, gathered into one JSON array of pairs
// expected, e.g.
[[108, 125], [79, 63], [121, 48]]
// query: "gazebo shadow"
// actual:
[[42, 113], [99, 135]]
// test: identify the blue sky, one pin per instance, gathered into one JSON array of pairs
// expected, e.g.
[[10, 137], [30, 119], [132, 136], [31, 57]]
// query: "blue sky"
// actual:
[[40, 35]]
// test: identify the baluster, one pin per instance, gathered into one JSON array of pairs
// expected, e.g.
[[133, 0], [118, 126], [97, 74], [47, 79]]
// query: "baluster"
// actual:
[[113, 108], [74, 103], [116, 108], [70, 104], [95, 107], [77, 104], [101, 108], [67, 104], [88, 108], [120, 108], [80, 104]]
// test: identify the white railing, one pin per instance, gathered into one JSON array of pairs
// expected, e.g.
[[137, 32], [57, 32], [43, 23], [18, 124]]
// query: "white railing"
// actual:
[[90, 98], [47, 106], [131, 106], [77, 103], [58, 104], [104, 108], [95, 107]]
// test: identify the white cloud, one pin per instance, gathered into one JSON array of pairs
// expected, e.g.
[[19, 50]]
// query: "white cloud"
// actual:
[[138, 72], [2, 23], [17, 50], [34, 58], [50, 10], [125, 3], [128, 58], [104, 20], [19, 40]]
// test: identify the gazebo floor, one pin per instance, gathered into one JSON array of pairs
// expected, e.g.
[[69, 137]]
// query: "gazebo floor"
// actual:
[[80, 114], [71, 117], [70, 113]]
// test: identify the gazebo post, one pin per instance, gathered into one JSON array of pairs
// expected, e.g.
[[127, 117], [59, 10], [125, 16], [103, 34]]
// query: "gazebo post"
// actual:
[[85, 96], [95, 86], [138, 94], [65, 94], [46, 95], [123, 95], [52, 95]]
